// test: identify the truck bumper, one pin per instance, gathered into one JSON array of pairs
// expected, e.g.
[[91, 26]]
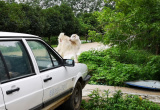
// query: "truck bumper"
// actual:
[[86, 80]]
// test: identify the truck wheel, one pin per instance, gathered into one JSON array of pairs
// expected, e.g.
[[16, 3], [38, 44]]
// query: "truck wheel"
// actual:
[[76, 97], [74, 102]]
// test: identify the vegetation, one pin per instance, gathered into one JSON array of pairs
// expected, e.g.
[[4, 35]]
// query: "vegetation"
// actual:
[[35, 20], [29, 17], [21, 18], [117, 102], [126, 23], [78, 6], [130, 23], [115, 66], [87, 21]]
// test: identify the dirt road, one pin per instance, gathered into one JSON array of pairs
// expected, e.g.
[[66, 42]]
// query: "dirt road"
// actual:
[[86, 47]]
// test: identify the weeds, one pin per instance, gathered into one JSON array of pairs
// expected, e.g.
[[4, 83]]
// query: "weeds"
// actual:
[[117, 102]]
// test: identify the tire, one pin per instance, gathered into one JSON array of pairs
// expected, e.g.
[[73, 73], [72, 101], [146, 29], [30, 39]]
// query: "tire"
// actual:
[[74, 102]]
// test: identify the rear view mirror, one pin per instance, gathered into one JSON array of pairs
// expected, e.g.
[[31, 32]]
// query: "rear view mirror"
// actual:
[[68, 62]]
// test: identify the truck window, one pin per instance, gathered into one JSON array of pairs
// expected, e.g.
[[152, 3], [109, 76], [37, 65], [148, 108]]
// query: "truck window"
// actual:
[[45, 57], [16, 58], [3, 72]]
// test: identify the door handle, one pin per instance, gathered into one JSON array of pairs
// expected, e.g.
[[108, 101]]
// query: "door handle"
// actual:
[[47, 79], [12, 90]]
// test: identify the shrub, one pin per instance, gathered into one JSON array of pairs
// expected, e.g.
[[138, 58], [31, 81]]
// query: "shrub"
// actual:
[[130, 56], [114, 67]]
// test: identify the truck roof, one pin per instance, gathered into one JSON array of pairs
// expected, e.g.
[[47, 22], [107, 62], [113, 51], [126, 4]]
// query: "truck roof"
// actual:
[[16, 35]]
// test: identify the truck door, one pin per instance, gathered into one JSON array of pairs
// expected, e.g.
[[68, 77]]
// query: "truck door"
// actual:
[[2, 71], [57, 81]]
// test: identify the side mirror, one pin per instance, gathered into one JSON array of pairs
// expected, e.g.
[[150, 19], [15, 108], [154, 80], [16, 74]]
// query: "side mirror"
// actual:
[[68, 62]]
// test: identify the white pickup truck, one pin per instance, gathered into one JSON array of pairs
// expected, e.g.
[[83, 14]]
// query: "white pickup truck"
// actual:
[[34, 76]]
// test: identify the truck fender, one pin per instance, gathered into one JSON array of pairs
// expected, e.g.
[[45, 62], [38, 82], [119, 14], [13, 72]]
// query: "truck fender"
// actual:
[[78, 76]]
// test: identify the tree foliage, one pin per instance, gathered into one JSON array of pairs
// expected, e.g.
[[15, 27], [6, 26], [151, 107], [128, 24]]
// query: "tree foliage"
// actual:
[[50, 17], [131, 23], [61, 19], [21, 18], [78, 6], [35, 20], [88, 21], [71, 24], [84, 6], [125, 22]]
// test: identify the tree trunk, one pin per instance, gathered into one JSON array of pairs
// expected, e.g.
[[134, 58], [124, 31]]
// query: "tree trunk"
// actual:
[[157, 49], [49, 40]]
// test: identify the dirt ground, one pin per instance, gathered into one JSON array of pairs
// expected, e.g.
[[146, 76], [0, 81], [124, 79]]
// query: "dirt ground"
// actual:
[[151, 95], [86, 47], [89, 46]]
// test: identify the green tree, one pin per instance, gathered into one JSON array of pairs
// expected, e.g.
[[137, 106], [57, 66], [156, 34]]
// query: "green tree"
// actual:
[[77, 6], [3, 15], [84, 6], [131, 23], [88, 21], [60, 19], [71, 24], [21, 18], [55, 21], [10, 1], [37, 24], [12, 17]]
